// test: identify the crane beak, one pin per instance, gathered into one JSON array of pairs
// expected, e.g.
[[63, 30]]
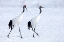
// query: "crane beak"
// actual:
[[42, 7]]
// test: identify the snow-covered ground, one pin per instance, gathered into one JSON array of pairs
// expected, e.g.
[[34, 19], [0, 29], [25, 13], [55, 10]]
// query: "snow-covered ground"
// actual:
[[51, 25]]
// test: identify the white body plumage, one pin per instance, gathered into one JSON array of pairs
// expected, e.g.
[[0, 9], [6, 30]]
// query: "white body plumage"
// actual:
[[17, 20], [35, 20]]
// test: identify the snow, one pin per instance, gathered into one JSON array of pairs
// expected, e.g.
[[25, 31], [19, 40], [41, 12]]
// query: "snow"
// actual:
[[51, 25]]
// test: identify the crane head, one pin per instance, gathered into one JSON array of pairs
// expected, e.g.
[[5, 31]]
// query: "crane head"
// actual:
[[41, 7]]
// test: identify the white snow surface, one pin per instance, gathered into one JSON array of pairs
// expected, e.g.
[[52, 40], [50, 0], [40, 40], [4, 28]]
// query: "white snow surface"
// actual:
[[50, 27]]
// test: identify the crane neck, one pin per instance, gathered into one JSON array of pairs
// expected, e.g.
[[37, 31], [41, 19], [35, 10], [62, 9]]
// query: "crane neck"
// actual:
[[40, 10]]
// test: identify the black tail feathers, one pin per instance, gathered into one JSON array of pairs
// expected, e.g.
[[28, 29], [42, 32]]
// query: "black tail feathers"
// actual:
[[10, 24], [29, 25]]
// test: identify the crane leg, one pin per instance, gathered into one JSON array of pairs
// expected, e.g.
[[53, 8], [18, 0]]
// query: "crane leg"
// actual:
[[35, 32], [20, 32], [9, 33]]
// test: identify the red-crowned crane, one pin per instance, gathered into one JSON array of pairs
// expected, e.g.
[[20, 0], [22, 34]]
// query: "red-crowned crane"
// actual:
[[16, 22], [32, 23]]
